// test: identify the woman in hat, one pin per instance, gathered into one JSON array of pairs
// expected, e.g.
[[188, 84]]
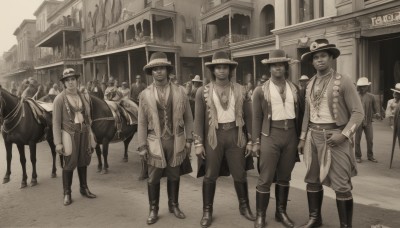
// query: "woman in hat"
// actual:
[[276, 128], [71, 129], [333, 112], [222, 131], [392, 104], [165, 128]]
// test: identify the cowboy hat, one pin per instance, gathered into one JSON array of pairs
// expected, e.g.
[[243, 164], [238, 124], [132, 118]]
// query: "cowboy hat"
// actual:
[[396, 88], [220, 58], [197, 79], [363, 81], [320, 45], [69, 72], [304, 78], [276, 56], [157, 59]]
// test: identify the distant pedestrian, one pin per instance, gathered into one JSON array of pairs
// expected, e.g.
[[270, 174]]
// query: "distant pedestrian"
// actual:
[[396, 121], [370, 110], [137, 88], [96, 90], [125, 91], [392, 104], [195, 85]]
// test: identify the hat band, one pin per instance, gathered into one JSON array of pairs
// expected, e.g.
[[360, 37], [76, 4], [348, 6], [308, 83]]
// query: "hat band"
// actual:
[[278, 59], [221, 61], [69, 75], [159, 60]]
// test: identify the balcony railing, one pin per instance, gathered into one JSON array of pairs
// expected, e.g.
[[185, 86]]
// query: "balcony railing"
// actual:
[[223, 42], [55, 27], [49, 59], [127, 43]]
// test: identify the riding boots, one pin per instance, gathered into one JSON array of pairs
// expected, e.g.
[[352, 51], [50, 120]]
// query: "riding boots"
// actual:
[[314, 208], [67, 182], [262, 201], [281, 196], [154, 199], [84, 189], [208, 200], [173, 195], [243, 197], [345, 210]]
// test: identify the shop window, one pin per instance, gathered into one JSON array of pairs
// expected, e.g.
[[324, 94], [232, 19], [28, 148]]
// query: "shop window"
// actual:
[[268, 17], [306, 10]]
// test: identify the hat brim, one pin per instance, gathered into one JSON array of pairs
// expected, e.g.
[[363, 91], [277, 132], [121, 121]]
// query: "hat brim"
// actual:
[[221, 62], [395, 90], [369, 83], [150, 66], [307, 57], [277, 60], [196, 80], [75, 75]]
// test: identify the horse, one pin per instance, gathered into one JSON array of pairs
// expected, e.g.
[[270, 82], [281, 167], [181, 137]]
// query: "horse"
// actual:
[[21, 128], [105, 131]]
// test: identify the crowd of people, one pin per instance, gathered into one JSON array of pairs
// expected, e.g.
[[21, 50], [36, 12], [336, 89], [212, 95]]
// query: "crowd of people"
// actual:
[[228, 124]]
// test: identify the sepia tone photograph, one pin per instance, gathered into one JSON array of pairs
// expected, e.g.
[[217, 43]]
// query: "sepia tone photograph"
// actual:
[[200, 113]]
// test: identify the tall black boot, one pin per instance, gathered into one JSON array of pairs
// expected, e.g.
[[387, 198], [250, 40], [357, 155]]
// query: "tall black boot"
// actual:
[[84, 189], [67, 182], [314, 208], [173, 195], [345, 210], [208, 200], [262, 201], [154, 199], [242, 192], [281, 196]]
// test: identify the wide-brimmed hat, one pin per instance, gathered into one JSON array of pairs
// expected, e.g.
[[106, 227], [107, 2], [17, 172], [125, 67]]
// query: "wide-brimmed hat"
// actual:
[[69, 72], [320, 45], [221, 58], [197, 79], [276, 56], [363, 81], [304, 78], [157, 59], [396, 88]]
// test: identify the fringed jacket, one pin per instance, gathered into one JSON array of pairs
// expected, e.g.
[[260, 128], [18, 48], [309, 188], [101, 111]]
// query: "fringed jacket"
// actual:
[[206, 120], [262, 110], [148, 120]]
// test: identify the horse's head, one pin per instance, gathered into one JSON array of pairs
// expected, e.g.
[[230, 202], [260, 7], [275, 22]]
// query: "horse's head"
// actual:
[[98, 108], [8, 102]]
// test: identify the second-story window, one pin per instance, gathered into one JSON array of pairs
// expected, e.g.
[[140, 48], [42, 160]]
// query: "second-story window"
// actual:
[[306, 10]]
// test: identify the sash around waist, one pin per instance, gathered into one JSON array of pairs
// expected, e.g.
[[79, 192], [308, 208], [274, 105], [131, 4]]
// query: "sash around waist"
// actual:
[[327, 126]]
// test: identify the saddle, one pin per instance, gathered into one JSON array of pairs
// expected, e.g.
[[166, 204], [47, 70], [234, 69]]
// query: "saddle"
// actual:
[[41, 115], [122, 110]]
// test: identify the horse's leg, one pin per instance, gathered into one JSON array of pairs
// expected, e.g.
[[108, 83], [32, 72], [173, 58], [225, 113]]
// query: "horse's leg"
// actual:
[[105, 156], [126, 145], [32, 149], [22, 159], [53, 154], [98, 153], [6, 178]]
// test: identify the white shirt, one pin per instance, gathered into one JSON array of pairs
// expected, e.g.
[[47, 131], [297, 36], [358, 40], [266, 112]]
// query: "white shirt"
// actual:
[[225, 116], [280, 110], [324, 115]]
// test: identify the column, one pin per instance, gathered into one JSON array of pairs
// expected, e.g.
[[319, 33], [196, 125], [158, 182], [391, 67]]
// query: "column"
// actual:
[[317, 6], [177, 67], [151, 28], [254, 71], [94, 69], [83, 71], [129, 69], [201, 36], [295, 12], [64, 48], [230, 28], [108, 67]]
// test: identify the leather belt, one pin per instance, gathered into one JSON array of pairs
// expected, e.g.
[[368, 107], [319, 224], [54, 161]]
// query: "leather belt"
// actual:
[[283, 124], [327, 126], [226, 126]]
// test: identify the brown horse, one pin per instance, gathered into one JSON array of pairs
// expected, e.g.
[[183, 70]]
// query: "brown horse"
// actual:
[[105, 131], [20, 127]]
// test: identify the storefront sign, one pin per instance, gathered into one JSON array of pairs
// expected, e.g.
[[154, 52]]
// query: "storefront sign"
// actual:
[[385, 20]]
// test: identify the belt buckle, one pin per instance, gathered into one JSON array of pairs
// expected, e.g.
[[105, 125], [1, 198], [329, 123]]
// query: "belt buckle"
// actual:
[[225, 126]]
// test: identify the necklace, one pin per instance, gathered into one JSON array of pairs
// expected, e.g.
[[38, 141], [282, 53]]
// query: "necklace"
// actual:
[[318, 93], [223, 94]]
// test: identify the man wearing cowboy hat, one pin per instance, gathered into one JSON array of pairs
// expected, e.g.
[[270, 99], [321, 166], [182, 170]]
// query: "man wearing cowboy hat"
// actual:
[[222, 120], [71, 130], [370, 110], [164, 133], [195, 85], [333, 111], [137, 88], [276, 128]]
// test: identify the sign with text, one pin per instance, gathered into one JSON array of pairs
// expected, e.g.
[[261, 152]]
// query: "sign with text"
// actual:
[[386, 20]]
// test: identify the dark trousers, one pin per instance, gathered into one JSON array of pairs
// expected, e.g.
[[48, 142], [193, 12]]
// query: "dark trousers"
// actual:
[[277, 157], [226, 146], [172, 173], [368, 130], [80, 155]]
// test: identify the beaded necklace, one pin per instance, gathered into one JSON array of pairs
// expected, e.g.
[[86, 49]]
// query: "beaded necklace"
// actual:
[[319, 91]]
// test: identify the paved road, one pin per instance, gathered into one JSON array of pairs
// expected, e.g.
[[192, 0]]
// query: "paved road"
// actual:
[[122, 199]]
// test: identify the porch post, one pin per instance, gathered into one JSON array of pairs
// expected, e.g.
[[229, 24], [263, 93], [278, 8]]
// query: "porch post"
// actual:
[[129, 69], [254, 70], [64, 48], [108, 67], [230, 28], [151, 28]]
